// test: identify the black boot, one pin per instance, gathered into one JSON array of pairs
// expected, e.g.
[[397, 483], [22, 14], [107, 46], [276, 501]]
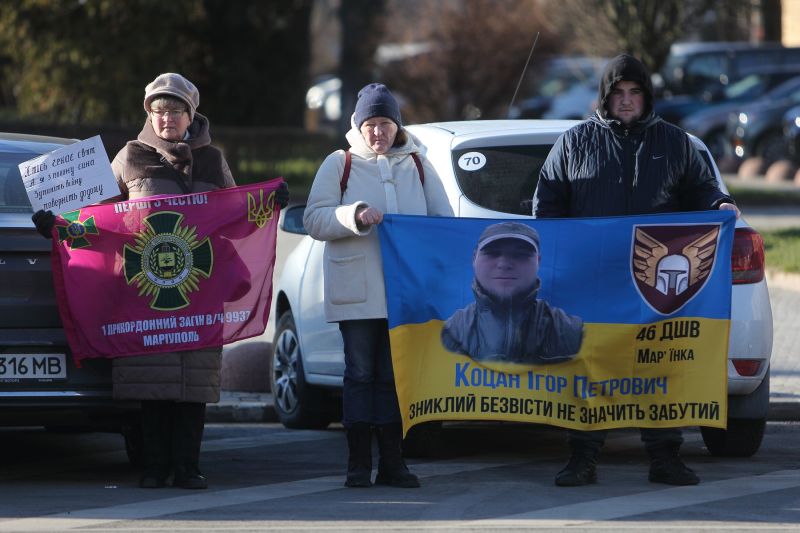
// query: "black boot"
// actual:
[[359, 460], [156, 416], [580, 470], [392, 470], [666, 467], [187, 436]]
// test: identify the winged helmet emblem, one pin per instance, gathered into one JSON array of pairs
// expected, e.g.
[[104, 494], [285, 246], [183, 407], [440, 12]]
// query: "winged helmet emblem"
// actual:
[[671, 273]]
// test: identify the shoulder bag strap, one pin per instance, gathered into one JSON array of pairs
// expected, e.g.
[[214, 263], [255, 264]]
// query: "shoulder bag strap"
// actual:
[[348, 161], [346, 174], [419, 168]]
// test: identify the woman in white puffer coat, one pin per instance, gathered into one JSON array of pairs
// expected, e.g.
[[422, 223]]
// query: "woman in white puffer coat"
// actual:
[[383, 172]]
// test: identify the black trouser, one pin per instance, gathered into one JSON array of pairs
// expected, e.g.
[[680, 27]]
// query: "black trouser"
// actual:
[[655, 440], [172, 434]]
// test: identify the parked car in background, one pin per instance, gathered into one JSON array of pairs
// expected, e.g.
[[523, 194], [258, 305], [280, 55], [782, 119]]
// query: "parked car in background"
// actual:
[[324, 104], [791, 132], [576, 103], [747, 89], [710, 124], [308, 358], [562, 77], [756, 129], [698, 68], [39, 383]]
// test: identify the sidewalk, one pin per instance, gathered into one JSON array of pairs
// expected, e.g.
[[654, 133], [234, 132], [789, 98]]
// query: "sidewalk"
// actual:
[[239, 407], [784, 398]]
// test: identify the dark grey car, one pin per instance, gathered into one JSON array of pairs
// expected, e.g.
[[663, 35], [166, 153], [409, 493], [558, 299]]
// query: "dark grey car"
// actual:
[[39, 382]]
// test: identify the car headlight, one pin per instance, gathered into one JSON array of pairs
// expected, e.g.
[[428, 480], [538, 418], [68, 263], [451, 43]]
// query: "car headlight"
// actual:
[[743, 118], [315, 97]]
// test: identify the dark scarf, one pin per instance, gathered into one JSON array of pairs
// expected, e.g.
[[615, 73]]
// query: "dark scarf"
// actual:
[[178, 154]]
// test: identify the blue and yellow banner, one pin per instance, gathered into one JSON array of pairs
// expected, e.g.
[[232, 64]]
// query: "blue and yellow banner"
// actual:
[[580, 323]]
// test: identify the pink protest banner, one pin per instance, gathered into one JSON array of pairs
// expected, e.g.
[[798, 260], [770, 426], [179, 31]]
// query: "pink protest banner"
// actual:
[[166, 273]]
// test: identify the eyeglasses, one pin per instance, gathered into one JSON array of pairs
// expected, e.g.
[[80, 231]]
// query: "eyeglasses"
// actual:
[[166, 113]]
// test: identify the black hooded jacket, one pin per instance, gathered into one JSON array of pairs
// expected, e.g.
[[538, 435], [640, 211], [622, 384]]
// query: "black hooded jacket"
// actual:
[[603, 168]]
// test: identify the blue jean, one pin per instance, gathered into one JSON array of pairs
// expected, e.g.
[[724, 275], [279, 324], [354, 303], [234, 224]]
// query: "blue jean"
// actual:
[[369, 393]]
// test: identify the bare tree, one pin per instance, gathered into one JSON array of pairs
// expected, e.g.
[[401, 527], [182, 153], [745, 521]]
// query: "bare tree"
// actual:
[[727, 21], [478, 50], [647, 28], [468, 55], [771, 19]]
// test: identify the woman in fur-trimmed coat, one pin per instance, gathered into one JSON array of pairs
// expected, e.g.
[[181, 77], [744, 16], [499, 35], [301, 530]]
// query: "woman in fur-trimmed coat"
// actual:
[[171, 155]]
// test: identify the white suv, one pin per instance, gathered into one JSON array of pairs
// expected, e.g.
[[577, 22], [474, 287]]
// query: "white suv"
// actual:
[[308, 359]]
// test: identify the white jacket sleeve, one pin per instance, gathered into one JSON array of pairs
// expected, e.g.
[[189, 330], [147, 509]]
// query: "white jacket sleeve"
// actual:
[[325, 219]]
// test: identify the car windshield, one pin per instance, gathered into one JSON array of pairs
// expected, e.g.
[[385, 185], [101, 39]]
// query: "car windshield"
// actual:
[[13, 198], [672, 70], [747, 87], [504, 177], [565, 72]]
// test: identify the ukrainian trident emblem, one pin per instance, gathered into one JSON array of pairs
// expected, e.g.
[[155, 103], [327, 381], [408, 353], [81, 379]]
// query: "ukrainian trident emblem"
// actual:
[[167, 261], [259, 211]]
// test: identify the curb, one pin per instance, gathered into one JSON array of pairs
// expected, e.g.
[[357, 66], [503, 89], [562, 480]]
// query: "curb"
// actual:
[[784, 411], [246, 411]]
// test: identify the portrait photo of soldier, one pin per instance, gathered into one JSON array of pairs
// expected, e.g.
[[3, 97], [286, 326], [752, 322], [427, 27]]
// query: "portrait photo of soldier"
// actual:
[[507, 322]]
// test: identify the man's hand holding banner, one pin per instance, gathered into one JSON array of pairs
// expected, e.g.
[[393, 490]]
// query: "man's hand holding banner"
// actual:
[[166, 273], [648, 299]]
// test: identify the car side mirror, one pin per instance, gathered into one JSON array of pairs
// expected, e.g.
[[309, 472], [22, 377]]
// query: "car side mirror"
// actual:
[[292, 219]]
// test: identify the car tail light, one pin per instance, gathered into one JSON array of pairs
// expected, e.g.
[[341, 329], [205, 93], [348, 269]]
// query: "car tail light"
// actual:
[[738, 146], [747, 367], [747, 258]]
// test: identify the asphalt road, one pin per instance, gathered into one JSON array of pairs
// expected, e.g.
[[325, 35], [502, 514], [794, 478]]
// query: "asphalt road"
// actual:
[[498, 477]]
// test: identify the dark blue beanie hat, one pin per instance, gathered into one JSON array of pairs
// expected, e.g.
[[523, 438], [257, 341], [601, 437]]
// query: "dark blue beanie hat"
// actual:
[[375, 100]]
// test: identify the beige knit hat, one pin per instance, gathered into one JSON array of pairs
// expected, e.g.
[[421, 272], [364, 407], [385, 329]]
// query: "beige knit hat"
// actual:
[[174, 85]]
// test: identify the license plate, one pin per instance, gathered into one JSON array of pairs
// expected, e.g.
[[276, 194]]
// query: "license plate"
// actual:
[[33, 366]]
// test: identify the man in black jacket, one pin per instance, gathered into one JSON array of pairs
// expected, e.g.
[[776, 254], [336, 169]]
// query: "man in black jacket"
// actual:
[[625, 160]]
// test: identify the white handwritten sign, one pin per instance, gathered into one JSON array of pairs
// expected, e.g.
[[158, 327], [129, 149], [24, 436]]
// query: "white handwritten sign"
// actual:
[[69, 178]]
